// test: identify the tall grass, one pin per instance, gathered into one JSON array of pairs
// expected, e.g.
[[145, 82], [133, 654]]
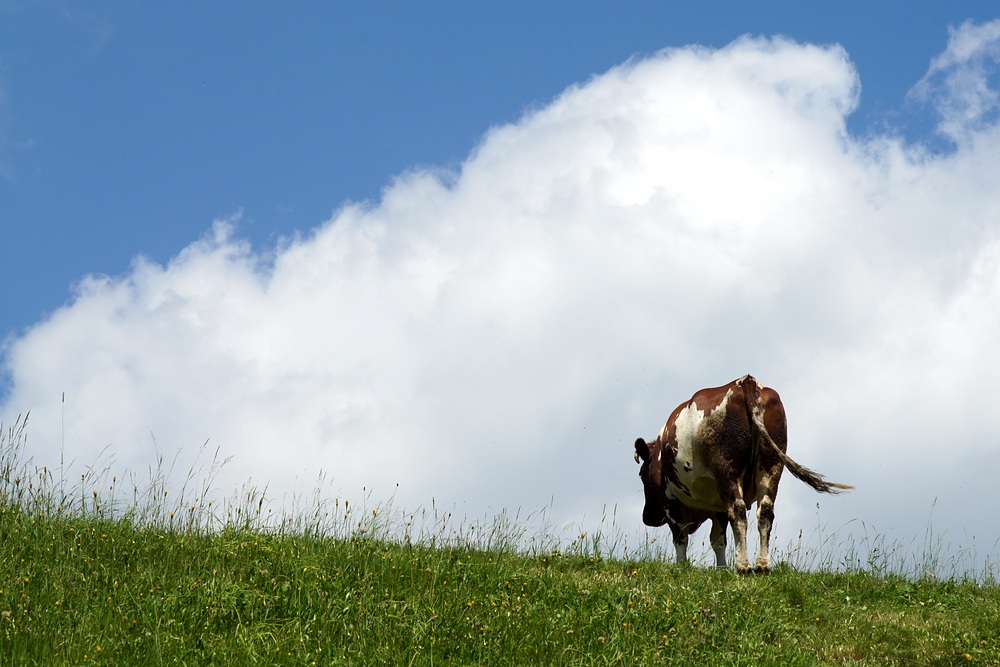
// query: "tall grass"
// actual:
[[101, 570]]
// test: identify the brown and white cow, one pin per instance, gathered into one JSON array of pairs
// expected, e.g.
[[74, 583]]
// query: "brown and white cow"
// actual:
[[717, 454]]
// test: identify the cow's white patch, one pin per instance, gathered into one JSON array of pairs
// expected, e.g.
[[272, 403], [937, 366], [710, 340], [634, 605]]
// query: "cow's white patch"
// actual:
[[697, 486]]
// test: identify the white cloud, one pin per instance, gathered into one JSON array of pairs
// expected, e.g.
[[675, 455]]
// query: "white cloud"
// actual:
[[498, 336], [957, 81]]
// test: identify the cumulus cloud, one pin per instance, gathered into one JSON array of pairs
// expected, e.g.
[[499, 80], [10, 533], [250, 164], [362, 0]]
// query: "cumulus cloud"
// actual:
[[495, 337]]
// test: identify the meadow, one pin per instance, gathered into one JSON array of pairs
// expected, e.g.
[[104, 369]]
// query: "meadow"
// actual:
[[101, 571]]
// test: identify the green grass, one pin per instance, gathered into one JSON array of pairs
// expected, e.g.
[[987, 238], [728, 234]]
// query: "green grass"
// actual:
[[87, 579]]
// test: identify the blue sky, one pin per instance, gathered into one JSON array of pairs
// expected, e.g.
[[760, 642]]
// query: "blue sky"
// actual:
[[438, 253], [126, 129]]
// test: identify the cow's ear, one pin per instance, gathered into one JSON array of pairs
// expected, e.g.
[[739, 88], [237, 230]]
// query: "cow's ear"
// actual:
[[641, 450]]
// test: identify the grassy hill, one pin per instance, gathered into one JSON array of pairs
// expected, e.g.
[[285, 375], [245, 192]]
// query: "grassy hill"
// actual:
[[146, 585]]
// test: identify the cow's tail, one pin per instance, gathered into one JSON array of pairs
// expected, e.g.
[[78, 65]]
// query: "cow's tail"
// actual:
[[751, 393]]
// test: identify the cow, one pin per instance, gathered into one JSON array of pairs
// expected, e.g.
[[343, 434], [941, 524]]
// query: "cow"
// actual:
[[717, 454]]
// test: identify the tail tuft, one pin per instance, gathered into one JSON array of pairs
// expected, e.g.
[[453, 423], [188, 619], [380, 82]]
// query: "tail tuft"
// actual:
[[751, 392], [813, 479]]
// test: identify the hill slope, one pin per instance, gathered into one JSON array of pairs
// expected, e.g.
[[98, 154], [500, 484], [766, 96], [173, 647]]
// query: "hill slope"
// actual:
[[100, 591]]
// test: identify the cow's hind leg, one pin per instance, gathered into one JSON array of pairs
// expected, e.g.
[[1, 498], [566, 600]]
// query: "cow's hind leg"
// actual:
[[718, 538], [766, 492], [737, 516], [765, 517]]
